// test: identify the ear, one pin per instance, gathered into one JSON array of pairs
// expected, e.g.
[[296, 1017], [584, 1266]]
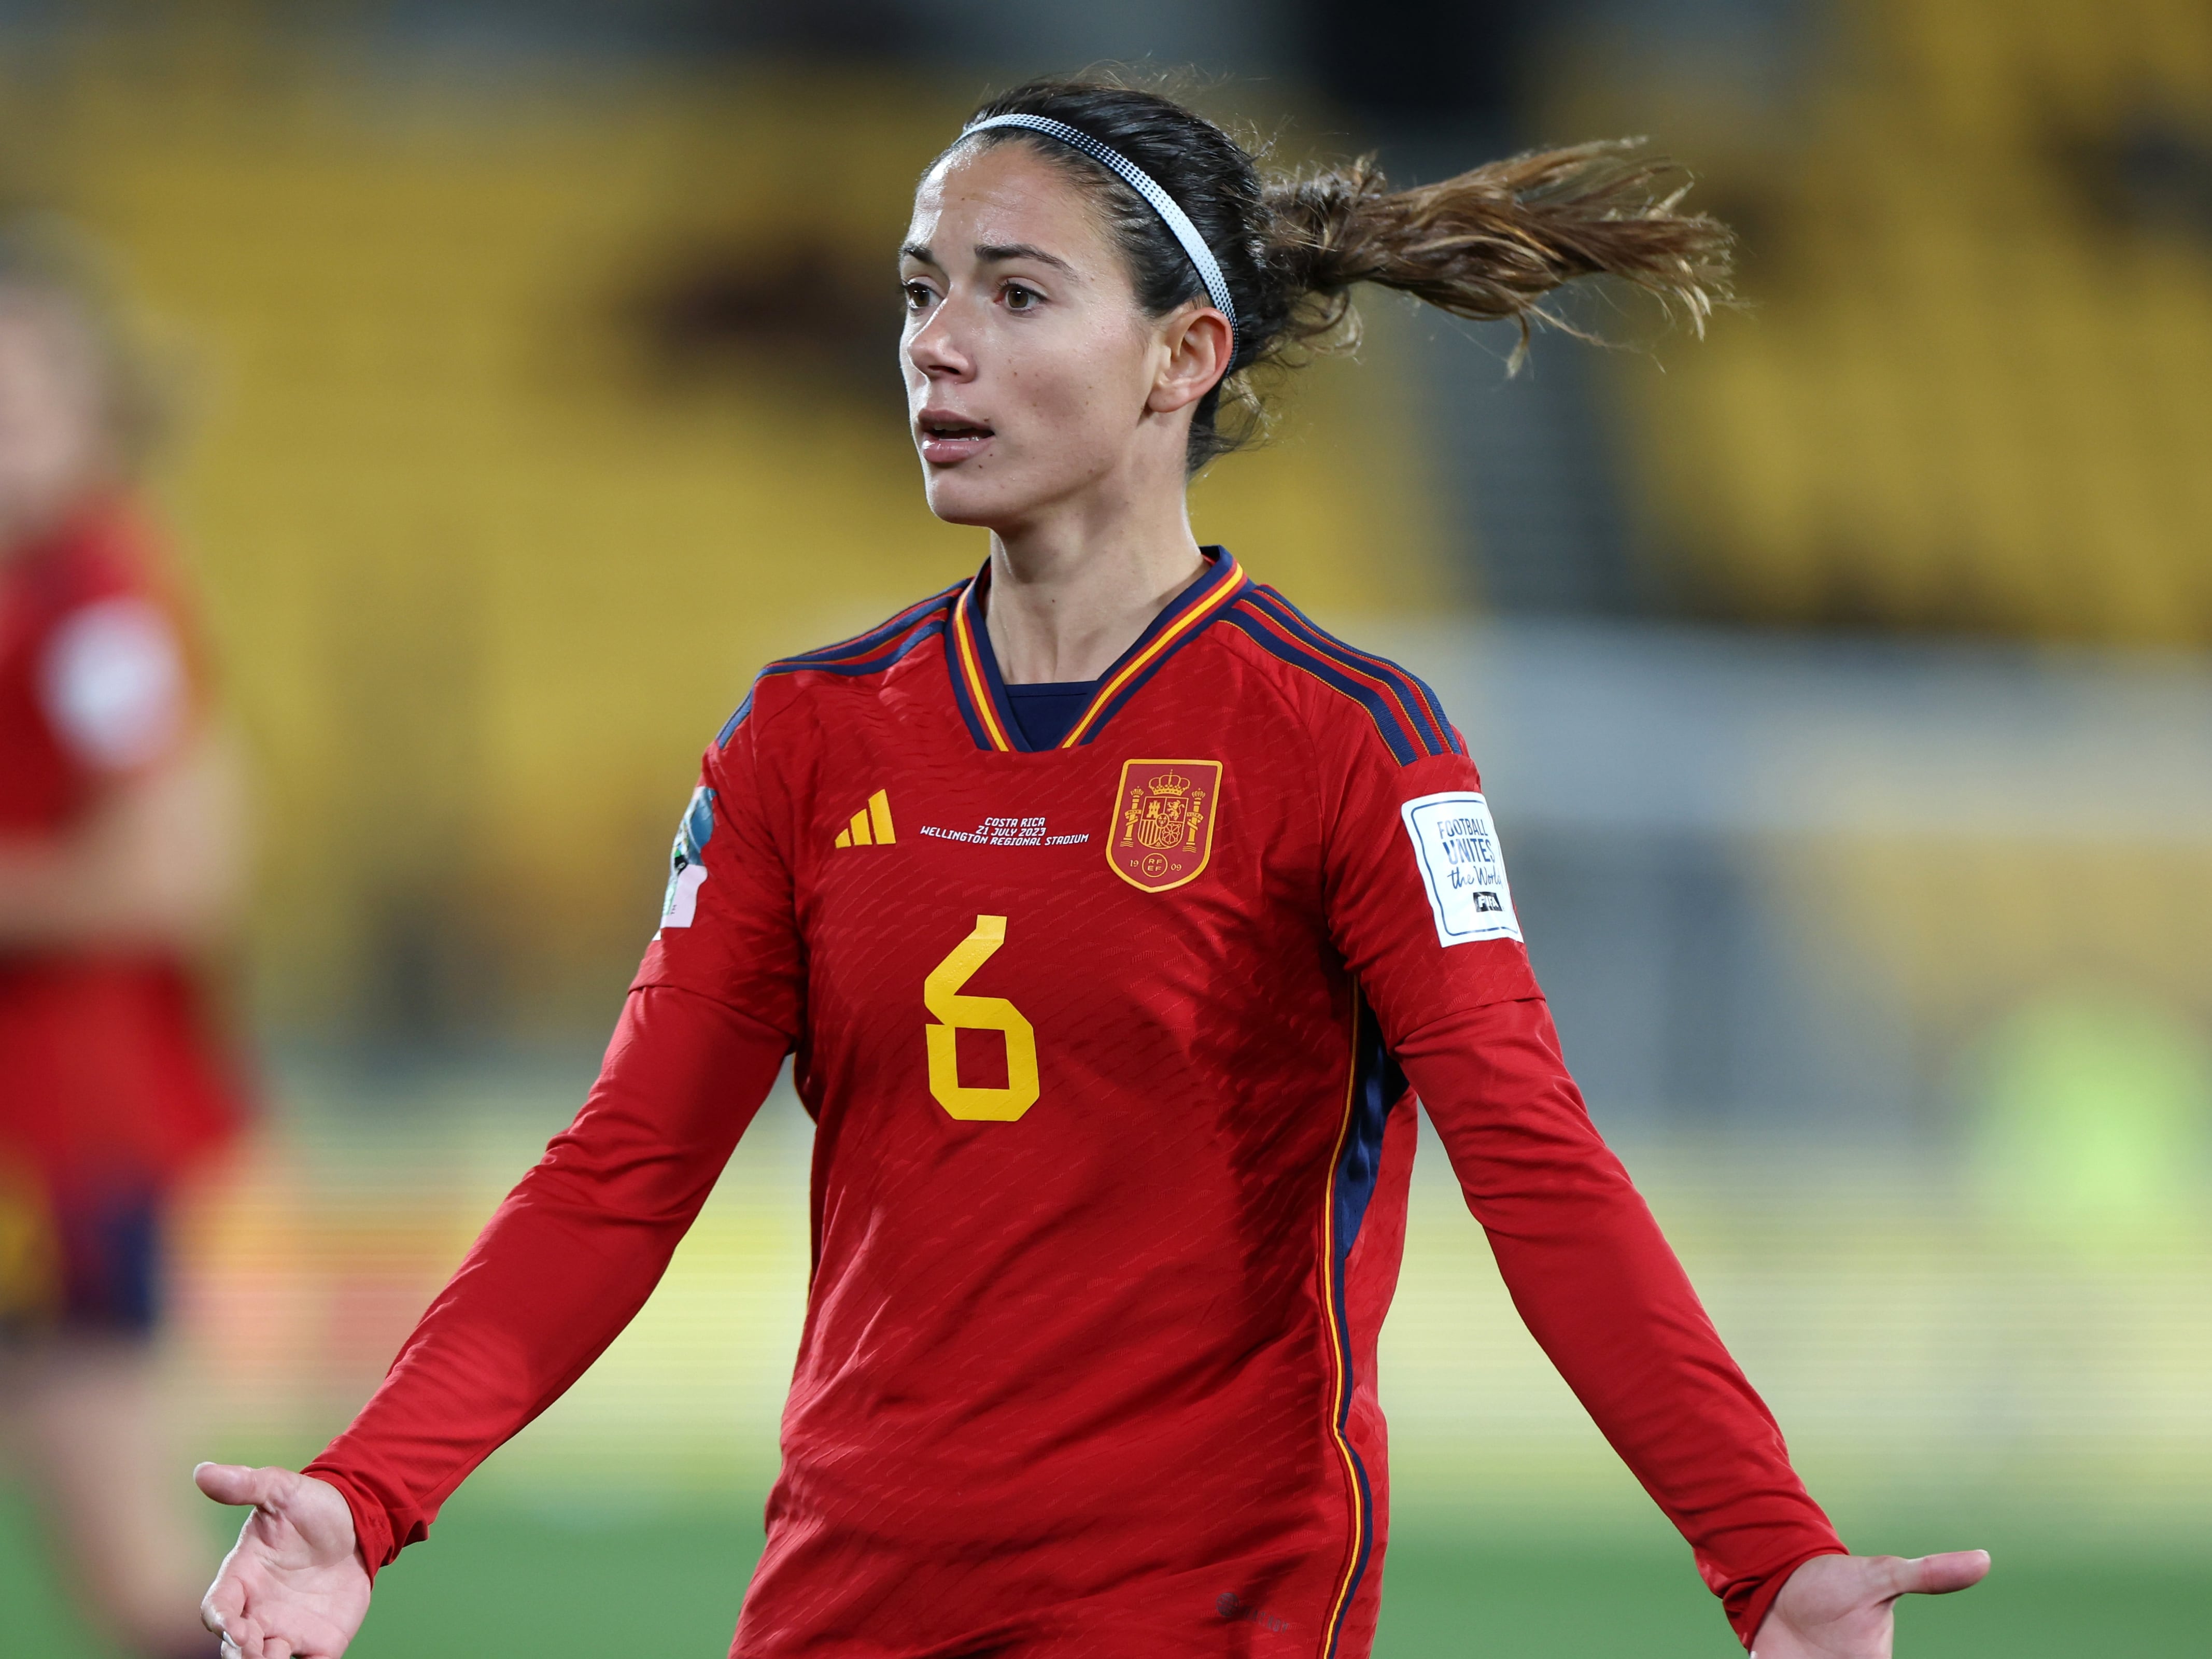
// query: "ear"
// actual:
[[1197, 340]]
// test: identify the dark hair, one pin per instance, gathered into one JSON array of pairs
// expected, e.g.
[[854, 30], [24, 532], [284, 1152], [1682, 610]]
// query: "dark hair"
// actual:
[[1488, 244]]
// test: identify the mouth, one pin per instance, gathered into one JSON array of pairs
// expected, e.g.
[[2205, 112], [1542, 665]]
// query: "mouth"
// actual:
[[946, 439]]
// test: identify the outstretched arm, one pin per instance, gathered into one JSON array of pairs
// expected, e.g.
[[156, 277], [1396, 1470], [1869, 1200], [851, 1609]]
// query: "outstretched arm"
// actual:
[[1602, 1292], [565, 1262], [1420, 907]]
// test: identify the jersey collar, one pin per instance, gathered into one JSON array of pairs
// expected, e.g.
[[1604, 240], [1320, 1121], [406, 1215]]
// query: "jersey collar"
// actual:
[[981, 694]]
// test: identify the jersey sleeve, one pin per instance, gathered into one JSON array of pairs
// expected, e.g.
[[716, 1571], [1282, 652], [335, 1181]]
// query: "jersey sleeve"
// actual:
[[729, 928], [1420, 906], [565, 1263], [1415, 885], [113, 684], [1602, 1294], [576, 1249]]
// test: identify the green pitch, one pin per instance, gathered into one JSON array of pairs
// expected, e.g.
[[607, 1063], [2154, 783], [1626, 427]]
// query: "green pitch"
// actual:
[[499, 1580]]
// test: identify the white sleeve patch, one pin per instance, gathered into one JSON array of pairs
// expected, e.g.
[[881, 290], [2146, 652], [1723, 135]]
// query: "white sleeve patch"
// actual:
[[113, 683], [679, 908], [1456, 844], [687, 862]]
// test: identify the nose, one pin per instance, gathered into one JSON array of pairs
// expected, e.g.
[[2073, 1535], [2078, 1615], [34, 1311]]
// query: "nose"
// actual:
[[932, 348]]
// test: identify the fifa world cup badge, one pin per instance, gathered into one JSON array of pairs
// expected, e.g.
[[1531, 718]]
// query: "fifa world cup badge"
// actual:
[[687, 862], [1164, 821]]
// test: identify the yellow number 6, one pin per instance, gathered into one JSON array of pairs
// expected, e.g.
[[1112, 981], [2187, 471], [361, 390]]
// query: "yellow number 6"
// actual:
[[940, 994]]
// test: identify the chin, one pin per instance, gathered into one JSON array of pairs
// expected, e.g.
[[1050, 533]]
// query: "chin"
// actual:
[[959, 499]]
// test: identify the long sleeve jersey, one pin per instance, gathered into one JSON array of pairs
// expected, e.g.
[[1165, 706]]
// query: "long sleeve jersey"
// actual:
[[1114, 1051]]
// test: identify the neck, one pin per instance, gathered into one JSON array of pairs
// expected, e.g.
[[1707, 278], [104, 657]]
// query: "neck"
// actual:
[[1068, 598]]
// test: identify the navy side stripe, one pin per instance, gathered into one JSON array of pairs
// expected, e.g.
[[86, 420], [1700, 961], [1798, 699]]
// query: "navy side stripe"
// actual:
[[1377, 1085]]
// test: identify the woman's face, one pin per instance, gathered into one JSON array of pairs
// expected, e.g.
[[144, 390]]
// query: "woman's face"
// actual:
[[1035, 382], [51, 443]]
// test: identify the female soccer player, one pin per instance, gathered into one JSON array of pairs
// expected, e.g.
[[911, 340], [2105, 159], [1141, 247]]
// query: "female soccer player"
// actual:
[[119, 843], [1115, 914]]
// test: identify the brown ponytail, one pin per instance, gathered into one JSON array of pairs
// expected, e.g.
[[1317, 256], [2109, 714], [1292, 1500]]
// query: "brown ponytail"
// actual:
[[1486, 245], [1492, 243]]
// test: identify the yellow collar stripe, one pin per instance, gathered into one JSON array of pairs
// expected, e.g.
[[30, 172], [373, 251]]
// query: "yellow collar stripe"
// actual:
[[1169, 635], [972, 671]]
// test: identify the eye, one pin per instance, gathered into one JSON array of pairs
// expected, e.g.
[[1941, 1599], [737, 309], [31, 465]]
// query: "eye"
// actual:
[[1020, 297], [917, 295]]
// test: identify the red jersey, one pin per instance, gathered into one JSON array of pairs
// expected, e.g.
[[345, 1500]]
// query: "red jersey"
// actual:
[[110, 1080], [1108, 1048]]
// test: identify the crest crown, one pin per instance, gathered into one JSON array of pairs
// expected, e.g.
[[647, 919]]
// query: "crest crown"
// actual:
[[1169, 783]]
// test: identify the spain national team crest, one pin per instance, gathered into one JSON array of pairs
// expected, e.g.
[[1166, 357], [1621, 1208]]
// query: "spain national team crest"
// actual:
[[1164, 822]]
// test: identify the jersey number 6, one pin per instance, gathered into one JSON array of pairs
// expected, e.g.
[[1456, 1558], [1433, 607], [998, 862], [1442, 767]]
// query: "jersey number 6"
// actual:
[[940, 994]]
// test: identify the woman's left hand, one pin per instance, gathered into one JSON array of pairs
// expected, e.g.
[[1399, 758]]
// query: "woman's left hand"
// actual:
[[1841, 1606]]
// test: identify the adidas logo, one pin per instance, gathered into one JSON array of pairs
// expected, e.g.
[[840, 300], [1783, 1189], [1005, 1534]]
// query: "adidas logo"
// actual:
[[871, 826]]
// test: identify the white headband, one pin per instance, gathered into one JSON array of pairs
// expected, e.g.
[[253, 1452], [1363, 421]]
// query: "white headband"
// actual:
[[1171, 213]]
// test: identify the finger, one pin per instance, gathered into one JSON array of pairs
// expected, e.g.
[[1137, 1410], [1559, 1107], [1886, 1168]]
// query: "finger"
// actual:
[[224, 1598], [220, 1481], [234, 1483], [1939, 1575]]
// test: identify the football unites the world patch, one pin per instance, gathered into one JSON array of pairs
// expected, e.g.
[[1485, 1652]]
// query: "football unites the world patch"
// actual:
[[1455, 845], [687, 866], [1164, 815]]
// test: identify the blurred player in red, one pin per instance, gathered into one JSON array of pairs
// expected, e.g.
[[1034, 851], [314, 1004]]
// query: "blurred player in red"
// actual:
[[1116, 916], [119, 864]]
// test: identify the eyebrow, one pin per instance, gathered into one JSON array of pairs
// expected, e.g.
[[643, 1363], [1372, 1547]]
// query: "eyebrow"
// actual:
[[992, 253]]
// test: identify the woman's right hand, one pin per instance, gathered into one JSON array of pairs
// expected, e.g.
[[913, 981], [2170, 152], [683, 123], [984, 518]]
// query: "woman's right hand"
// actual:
[[293, 1586]]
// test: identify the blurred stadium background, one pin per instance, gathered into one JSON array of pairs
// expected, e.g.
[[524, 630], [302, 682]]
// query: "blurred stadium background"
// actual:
[[1842, 681]]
